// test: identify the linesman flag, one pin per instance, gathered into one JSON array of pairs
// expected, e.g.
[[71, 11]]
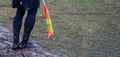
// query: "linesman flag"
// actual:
[[48, 20]]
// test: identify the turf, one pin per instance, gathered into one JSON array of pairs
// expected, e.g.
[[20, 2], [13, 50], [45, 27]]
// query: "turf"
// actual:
[[83, 28]]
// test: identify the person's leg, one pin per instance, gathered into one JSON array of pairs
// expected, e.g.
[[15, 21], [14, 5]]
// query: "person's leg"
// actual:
[[17, 22], [28, 26]]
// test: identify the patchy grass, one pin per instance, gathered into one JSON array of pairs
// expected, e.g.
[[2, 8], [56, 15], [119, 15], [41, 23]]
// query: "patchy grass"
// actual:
[[83, 28]]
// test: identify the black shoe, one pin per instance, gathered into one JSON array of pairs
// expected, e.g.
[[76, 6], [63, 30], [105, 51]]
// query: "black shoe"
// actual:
[[15, 46], [28, 45], [31, 45], [23, 45]]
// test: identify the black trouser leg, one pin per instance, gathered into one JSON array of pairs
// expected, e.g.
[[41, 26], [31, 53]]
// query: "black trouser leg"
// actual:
[[29, 24], [17, 22]]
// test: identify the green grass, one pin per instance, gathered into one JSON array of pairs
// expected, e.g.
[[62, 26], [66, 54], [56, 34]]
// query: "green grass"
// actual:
[[83, 28]]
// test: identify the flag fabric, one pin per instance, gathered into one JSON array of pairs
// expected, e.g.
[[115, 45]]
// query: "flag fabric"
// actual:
[[48, 20]]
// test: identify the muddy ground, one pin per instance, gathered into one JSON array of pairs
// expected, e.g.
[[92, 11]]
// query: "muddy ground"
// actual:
[[6, 42]]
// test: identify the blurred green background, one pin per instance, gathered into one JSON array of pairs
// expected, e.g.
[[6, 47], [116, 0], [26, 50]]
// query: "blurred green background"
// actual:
[[83, 28]]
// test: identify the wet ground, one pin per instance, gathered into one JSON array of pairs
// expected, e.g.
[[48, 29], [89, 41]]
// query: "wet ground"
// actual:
[[6, 42]]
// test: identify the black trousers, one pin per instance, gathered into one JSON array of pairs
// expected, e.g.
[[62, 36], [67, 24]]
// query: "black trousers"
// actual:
[[28, 25]]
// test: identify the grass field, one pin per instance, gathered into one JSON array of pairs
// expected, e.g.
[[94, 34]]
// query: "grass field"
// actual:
[[83, 28]]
